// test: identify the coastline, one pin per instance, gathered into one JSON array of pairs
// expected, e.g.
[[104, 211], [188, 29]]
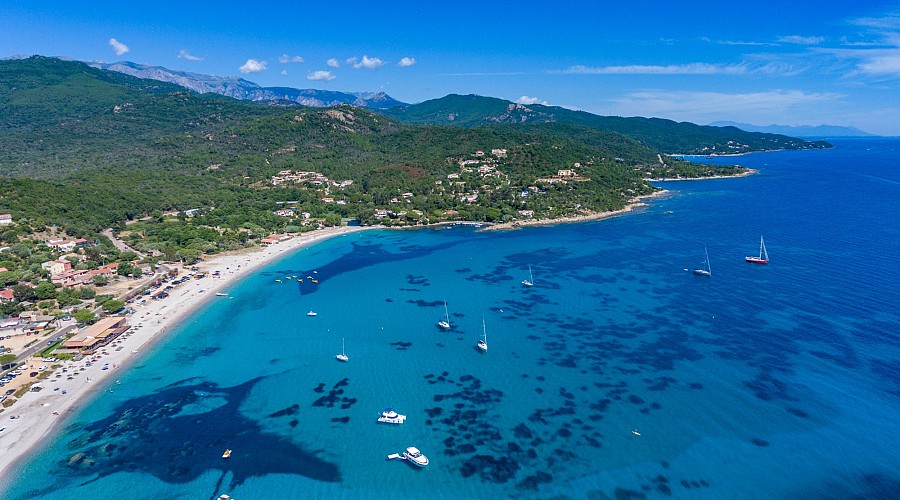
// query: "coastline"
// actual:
[[40, 413], [631, 206], [749, 172]]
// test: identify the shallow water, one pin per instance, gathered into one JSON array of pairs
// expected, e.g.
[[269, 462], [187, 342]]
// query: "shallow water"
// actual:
[[761, 381]]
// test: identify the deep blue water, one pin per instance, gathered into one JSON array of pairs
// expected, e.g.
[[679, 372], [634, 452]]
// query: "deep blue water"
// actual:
[[759, 382]]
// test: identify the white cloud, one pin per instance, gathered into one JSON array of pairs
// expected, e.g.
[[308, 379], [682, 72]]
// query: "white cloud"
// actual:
[[333, 63], [406, 62], [672, 69], [366, 62], [252, 66], [802, 40], [324, 76], [531, 100], [285, 59], [183, 54], [118, 47]]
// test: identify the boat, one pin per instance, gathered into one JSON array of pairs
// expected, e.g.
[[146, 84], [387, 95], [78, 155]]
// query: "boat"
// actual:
[[221, 294], [445, 324], [277, 281], [389, 416], [763, 257], [415, 457], [342, 356], [227, 453], [701, 271], [530, 280], [635, 432], [482, 342], [312, 313], [223, 496]]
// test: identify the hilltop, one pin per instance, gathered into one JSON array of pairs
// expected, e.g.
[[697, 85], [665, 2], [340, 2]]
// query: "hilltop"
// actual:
[[665, 135]]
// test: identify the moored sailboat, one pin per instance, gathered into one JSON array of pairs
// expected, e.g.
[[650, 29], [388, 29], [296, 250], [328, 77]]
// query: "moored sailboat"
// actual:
[[708, 270], [445, 324], [342, 356], [530, 280], [763, 257], [482, 342]]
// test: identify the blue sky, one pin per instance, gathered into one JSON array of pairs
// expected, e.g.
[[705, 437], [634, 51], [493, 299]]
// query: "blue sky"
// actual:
[[762, 62]]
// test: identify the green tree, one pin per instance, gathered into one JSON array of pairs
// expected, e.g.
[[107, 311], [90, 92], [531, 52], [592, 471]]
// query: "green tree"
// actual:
[[111, 306], [84, 316], [45, 291]]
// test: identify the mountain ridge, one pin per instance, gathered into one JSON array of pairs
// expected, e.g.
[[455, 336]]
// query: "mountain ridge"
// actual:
[[240, 88], [798, 130]]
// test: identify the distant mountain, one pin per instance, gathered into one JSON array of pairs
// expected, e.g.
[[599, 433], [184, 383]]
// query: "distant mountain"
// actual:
[[665, 135], [798, 130], [239, 88]]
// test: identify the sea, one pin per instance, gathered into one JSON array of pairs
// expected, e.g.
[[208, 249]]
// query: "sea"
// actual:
[[618, 374]]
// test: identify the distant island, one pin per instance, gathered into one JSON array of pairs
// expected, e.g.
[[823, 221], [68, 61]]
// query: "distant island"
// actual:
[[798, 130]]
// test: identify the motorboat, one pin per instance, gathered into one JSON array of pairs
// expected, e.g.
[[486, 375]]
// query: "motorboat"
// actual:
[[227, 453], [389, 416], [312, 313], [415, 457]]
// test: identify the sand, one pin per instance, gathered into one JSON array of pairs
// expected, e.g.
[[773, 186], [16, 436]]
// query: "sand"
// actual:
[[38, 413]]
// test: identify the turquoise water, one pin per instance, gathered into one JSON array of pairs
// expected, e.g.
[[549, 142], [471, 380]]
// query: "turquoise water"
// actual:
[[759, 382]]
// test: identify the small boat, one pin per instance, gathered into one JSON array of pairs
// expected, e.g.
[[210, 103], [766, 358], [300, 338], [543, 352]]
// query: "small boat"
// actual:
[[763, 257], [530, 280], [227, 453], [701, 271], [221, 294], [277, 281], [445, 324], [312, 313], [635, 432], [223, 496], [342, 356], [482, 342], [315, 281], [415, 457], [287, 277], [389, 416]]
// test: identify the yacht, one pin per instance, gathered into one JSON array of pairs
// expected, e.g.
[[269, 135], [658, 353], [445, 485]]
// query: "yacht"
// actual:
[[445, 323], [312, 313], [389, 416], [482, 342], [415, 457]]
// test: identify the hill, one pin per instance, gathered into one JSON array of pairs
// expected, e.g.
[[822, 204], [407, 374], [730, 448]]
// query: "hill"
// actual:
[[85, 149], [239, 88], [665, 135], [798, 130]]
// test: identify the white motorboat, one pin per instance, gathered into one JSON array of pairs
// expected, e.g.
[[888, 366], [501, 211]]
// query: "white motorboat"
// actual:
[[415, 457], [312, 313], [389, 416]]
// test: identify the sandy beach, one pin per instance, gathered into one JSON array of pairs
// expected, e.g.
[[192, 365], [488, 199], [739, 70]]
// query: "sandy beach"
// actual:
[[38, 413]]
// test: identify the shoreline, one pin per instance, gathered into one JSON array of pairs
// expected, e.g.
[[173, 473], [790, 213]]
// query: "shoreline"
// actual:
[[630, 207], [39, 414], [749, 172]]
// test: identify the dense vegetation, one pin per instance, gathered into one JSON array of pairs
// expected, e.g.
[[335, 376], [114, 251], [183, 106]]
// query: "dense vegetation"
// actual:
[[663, 135], [87, 149]]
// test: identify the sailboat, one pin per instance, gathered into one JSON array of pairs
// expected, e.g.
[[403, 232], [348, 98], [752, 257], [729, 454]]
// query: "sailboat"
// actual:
[[342, 356], [707, 271], [530, 280], [763, 254], [445, 324], [482, 342]]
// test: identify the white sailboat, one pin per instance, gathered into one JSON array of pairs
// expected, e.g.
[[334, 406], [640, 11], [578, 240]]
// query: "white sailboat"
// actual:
[[445, 324], [342, 356], [482, 342], [530, 280], [763, 257], [708, 270]]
